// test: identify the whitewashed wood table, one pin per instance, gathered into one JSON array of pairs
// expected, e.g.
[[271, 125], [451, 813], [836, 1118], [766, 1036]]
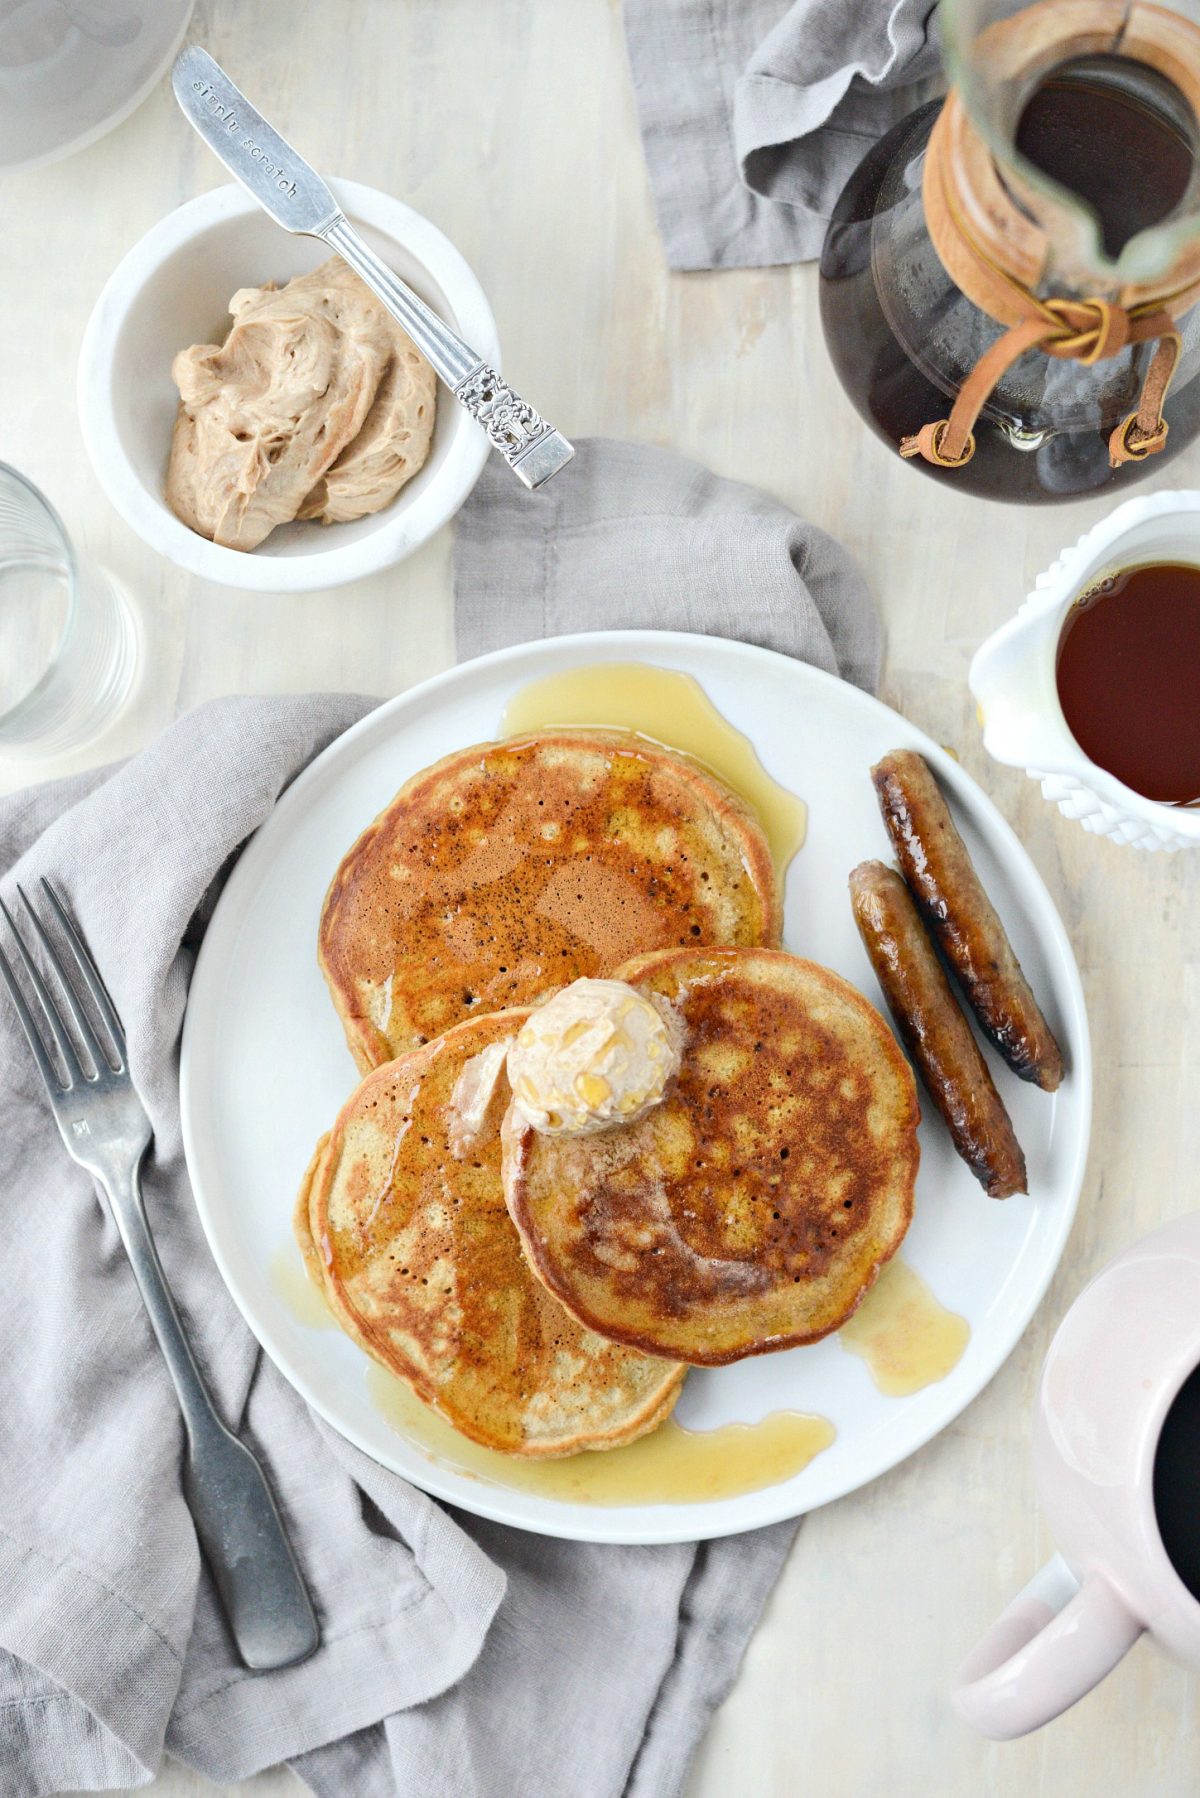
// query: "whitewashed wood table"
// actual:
[[526, 152]]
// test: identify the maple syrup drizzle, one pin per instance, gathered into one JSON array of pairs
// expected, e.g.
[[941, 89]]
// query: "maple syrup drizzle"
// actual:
[[671, 709], [906, 1337], [672, 1465], [303, 1297]]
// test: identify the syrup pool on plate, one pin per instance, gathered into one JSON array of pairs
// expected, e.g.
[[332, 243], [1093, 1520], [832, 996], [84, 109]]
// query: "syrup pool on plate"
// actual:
[[907, 1338], [290, 1282], [670, 709], [671, 1465]]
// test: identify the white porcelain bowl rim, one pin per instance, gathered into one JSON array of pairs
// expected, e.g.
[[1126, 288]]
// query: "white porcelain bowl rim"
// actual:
[[148, 514]]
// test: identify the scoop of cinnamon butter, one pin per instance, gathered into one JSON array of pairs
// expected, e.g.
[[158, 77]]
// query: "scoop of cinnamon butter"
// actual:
[[317, 405]]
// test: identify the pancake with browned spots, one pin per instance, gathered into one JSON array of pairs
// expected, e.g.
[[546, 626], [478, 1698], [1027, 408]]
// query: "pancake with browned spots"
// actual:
[[753, 1207], [418, 1257], [509, 869]]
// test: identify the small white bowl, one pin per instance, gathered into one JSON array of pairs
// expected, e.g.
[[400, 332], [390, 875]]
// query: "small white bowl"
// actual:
[[172, 289]]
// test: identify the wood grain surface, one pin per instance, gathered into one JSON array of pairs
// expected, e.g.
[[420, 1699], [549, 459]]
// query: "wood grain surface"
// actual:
[[511, 124]]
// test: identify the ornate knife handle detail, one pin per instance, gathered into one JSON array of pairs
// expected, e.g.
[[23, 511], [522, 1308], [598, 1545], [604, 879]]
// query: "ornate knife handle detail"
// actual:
[[533, 449], [511, 423]]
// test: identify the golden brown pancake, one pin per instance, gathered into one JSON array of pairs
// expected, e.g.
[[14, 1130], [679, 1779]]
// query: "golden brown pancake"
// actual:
[[509, 869], [752, 1208], [421, 1264]]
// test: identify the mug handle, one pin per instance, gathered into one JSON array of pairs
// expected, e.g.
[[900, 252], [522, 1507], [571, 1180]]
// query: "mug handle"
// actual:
[[1057, 1639]]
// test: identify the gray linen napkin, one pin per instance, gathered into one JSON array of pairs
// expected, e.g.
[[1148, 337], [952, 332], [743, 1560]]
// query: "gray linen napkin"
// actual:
[[754, 113], [459, 1658], [636, 538]]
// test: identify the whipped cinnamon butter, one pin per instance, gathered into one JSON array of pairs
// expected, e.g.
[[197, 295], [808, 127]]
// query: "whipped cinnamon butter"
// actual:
[[472, 1096], [595, 1054], [316, 406]]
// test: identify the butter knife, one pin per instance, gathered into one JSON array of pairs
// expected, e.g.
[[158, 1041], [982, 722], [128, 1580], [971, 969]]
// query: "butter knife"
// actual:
[[294, 195]]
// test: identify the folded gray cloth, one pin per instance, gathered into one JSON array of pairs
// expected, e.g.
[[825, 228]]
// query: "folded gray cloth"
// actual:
[[635, 538], [754, 114], [459, 1659]]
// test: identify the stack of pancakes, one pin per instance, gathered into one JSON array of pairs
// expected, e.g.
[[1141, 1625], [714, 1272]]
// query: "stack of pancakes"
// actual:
[[546, 1294]]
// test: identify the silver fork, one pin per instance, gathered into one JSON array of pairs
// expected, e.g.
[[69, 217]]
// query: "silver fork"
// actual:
[[106, 1130]]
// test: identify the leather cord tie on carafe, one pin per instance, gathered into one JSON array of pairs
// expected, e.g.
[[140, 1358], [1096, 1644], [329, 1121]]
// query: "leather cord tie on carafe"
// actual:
[[1085, 330]]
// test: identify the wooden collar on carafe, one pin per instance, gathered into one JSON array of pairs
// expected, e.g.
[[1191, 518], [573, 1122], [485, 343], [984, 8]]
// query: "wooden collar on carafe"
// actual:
[[993, 248]]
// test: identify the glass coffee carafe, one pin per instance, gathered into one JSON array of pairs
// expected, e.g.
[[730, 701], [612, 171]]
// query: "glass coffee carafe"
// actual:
[[1010, 279]]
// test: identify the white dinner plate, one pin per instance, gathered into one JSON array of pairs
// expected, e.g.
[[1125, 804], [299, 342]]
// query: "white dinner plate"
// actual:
[[265, 1069]]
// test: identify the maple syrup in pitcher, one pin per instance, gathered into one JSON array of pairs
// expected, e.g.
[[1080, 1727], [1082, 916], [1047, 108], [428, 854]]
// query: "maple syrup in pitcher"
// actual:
[[1128, 676], [1119, 137]]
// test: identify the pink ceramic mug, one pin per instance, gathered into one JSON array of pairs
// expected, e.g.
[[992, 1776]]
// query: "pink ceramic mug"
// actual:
[[1114, 1369]]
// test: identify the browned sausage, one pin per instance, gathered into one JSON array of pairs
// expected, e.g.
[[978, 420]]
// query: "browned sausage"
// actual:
[[934, 861], [934, 1029]]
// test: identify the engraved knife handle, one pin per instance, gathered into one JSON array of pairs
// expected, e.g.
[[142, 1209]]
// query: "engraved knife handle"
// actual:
[[533, 449]]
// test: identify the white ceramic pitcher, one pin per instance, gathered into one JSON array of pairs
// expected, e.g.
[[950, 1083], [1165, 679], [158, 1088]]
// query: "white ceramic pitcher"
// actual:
[[1013, 675]]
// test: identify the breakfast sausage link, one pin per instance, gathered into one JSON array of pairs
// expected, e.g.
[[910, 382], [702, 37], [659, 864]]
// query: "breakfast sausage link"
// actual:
[[934, 1029], [934, 861]]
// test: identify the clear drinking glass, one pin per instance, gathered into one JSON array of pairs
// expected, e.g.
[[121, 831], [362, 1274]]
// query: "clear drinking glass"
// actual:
[[68, 643]]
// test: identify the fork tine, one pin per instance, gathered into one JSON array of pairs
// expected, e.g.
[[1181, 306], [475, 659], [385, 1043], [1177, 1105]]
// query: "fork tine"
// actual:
[[94, 978], [101, 1059], [65, 1048], [34, 1036]]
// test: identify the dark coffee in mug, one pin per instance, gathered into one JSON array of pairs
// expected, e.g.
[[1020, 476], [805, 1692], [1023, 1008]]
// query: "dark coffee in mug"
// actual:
[[1177, 1483]]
